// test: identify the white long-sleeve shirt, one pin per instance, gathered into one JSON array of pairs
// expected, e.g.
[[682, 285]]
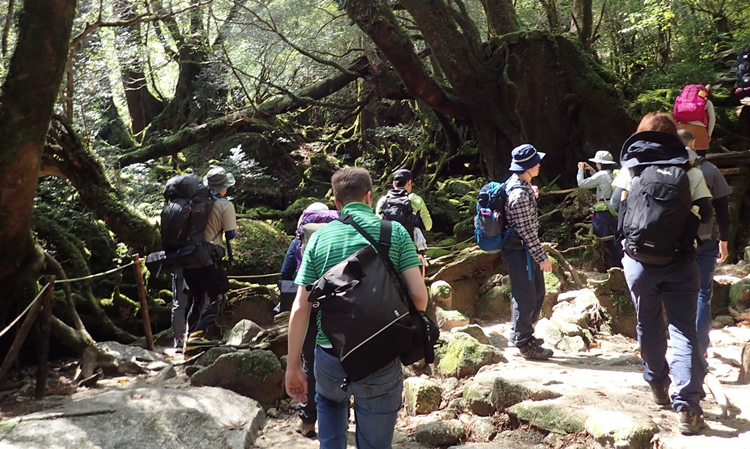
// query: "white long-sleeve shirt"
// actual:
[[602, 180]]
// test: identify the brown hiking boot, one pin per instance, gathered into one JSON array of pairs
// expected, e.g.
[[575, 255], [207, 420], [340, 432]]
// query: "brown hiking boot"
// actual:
[[533, 350], [660, 394], [306, 429], [690, 422]]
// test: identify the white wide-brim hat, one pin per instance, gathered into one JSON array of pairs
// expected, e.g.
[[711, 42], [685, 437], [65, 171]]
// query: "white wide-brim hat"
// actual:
[[603, 157]]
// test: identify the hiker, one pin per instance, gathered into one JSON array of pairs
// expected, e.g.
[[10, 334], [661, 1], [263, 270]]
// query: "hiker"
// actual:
[[694, 112], [377, 397], [523, 252], [402, 205], [713, 238], [743, 76], [306, 410], [180, 301], [211, 280], [604, 219], [670, 280]]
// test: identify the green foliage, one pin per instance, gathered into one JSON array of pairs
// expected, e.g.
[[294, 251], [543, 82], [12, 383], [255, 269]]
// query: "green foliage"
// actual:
[[259, 248]]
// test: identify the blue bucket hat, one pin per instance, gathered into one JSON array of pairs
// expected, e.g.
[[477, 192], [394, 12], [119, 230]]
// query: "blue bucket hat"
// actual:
[[524, 157]]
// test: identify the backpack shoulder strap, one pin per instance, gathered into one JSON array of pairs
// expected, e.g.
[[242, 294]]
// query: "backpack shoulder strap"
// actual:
[[385, 244]]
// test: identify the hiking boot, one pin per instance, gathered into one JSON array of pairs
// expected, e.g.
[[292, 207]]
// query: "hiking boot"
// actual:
[[197, 343], [691, 423], [660, 394], [305, 429], [533, 350], [178, 345]]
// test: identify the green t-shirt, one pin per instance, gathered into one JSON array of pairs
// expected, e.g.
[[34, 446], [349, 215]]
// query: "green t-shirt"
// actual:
[[336, 241]]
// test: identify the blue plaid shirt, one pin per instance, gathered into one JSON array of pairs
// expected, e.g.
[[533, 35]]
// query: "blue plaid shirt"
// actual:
[[521, 213]]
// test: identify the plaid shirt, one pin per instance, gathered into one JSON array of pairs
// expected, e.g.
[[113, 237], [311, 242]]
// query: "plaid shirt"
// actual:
[[521, 213]]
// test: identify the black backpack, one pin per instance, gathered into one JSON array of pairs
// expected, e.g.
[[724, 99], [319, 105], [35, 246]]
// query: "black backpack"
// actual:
[[657, 223], [490, 227], [367, 313], [185, 217], [397, 207], [183, 221]]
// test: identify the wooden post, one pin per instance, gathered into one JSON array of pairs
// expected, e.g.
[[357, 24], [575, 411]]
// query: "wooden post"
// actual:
[[44, 323], [23, 331], [144, 303]]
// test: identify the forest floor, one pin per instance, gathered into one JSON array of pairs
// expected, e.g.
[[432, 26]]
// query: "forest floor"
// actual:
[[603, 372]]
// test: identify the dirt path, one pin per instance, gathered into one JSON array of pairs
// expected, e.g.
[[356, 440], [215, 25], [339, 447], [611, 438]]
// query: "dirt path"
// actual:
[[607, 378]]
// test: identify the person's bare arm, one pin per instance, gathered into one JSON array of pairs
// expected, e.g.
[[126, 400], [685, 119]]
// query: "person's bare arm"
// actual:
[[296, 381], [415, 284]]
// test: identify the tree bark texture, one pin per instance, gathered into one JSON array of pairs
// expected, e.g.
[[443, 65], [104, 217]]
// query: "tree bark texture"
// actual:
[[521, 87], [26, 104]]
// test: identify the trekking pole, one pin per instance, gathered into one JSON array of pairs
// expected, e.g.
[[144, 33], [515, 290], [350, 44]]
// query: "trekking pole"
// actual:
[[144, 303], [230, 258]]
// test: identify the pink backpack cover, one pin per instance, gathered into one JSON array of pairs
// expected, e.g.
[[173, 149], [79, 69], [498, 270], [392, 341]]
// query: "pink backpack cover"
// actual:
[[690, 105]]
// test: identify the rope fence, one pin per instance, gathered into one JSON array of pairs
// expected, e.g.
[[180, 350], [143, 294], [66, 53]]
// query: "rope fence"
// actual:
[[254, 276], [92, 276], [18, 318]]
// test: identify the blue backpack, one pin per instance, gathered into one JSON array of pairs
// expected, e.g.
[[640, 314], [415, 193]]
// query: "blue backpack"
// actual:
[[489, 222]]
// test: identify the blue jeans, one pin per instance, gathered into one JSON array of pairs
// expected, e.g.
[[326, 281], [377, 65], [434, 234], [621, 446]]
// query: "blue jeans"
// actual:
[[377, 400], [527, 294], [673, 287], [706, 256]]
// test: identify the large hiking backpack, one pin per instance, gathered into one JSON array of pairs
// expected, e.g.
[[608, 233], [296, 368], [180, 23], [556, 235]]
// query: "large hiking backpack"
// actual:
[[183, 221], [366, 311], [657, 223], [490, 227], [743, 69], [397, 207], [309, 223], [690, 105]]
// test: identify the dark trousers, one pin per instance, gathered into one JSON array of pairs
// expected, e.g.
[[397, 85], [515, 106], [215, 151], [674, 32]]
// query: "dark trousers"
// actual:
[[673, 287], [705, 256], [210, 281], [307, 411], [528, 294], [605, 224]]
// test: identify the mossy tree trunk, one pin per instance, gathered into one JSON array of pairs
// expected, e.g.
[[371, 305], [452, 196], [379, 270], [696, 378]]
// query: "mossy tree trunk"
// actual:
[[28, 96], [198, 96], [68, 158], [519, 87]]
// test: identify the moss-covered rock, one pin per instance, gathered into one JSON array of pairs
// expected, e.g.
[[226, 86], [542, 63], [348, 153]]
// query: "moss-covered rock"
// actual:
[[421, 396], [739, 294], [255, 374], [550, 415], [475, 331], [492, 391], [441, 294], [494, 305], [463, 355], [448, 319], [440, 433], [259, 248], [620, 429]]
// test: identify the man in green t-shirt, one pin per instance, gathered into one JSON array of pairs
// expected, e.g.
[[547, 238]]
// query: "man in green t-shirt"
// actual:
[[377, 396]]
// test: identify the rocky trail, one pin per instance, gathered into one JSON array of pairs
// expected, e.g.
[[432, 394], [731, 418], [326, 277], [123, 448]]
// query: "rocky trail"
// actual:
[[575, 400]]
